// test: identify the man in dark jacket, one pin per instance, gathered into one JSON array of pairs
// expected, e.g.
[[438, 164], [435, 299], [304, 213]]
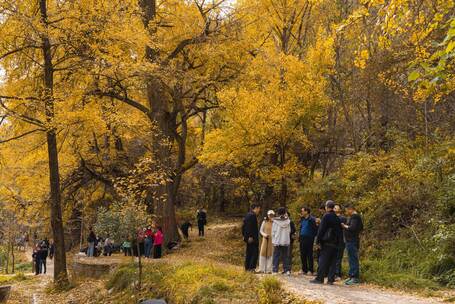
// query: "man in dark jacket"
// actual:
[[91, 240], [307, 233], [340, 252], [250, 233], [43, 253], [329, 237], [351, 235], [201, 221]]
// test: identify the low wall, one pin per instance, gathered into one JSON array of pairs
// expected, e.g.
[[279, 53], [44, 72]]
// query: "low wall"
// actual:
[[92, 267]]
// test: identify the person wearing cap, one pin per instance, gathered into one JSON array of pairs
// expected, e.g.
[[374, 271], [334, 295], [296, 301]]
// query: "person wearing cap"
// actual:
[[281, 239], [266, 252], [328, 238]]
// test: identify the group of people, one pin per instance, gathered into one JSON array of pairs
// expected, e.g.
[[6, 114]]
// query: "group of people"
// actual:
[[148, 242], [329, 236], [98, 245], [42, 250]]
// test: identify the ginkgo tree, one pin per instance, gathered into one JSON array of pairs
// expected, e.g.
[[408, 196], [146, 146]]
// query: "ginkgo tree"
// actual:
[[282, 90], [45, 48], [170, 79]]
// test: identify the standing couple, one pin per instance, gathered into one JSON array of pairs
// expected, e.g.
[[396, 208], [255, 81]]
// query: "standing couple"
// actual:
[[277, 233]]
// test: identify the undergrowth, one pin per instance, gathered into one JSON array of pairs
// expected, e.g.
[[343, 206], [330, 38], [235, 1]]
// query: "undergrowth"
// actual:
[[194, 283]]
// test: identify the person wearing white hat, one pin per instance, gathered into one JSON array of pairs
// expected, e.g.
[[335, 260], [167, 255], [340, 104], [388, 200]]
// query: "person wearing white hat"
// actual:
[[266, 253]]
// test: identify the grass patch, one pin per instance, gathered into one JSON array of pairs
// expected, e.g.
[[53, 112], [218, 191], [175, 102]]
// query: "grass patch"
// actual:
[[5, 279], [401, 264], [194, 283], [24, 267]]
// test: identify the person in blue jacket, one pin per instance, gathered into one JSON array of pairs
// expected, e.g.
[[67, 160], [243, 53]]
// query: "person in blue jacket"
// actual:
[[307, 233]]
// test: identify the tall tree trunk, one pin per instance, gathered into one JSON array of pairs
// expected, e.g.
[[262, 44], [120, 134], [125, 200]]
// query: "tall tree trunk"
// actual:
[[60, 271], [162, 119]]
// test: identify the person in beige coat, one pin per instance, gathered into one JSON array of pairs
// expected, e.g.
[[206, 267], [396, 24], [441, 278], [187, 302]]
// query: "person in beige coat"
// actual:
[[266, 253]]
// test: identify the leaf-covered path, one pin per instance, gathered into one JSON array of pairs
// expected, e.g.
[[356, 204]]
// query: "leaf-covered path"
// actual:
[[32, 290]]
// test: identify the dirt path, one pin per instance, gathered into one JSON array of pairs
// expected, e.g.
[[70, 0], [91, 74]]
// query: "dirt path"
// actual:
[[340, 294], [32, 290], [220, 242]]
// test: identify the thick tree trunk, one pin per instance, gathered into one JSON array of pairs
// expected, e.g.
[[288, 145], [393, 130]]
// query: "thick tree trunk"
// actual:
[[60, 271], [164, 122]]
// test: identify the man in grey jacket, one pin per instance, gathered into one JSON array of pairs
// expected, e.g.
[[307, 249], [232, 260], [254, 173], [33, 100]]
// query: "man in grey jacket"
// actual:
[[281, 231]]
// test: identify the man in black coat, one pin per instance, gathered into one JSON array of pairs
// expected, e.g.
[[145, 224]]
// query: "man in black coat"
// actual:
[[201, 221], [43, 253], [250, 233], [329, 238]]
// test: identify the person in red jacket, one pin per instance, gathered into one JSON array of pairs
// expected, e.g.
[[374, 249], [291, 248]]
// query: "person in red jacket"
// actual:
[[158, 238]]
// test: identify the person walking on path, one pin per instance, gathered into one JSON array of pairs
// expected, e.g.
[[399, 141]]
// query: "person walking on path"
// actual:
[[250, 234], [281, 232], [185, 227], [328, 238], [352, 231], [266, 253], [148, 242], [307, 233], [340, 252], [91, 239], [201, 221], [158, 239], [43, 253]]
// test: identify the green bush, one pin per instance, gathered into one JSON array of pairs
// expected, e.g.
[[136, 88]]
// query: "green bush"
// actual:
[[407, 199]]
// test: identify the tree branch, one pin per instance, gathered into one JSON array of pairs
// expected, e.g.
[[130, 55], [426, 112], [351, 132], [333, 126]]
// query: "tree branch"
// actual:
[[2, 141], [125, 99], [12, 52], [30, 120]]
